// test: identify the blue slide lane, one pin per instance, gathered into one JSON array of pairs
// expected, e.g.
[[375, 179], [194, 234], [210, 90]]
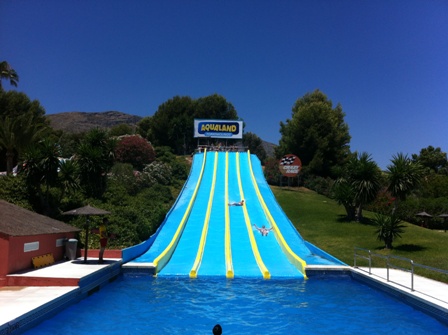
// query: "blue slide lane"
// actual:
[[244, 263], [290, 233], [213, 260], [270, 251]]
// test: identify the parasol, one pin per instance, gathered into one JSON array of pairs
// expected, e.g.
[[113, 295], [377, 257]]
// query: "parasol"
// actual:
[[424, 215], [87, 211]]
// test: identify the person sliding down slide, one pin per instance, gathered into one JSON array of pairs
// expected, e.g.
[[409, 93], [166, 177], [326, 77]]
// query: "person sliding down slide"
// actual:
[[263, 230], [241, 203]]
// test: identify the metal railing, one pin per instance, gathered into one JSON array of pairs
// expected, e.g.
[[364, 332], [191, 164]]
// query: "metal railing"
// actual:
[[391, 263]]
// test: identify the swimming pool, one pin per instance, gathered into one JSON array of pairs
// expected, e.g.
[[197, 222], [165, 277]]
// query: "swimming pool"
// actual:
[[141, 304]]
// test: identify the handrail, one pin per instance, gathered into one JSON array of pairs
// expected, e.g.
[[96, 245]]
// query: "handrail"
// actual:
[[200, 253], [295, 259], [161, 260], [389, 264], [264, 270]]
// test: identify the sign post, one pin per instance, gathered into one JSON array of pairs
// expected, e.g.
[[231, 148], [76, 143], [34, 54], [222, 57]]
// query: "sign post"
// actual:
[[290, 166]]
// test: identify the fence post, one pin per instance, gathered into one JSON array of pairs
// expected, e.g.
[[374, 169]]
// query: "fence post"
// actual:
[[370, 262], [412, 275], [387, 263]]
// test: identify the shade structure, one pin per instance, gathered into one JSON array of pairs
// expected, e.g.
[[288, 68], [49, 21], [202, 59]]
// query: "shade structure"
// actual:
[[87, 211], [424, 215]]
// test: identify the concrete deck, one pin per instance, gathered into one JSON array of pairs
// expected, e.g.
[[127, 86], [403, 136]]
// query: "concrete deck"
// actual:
[[19, 305]]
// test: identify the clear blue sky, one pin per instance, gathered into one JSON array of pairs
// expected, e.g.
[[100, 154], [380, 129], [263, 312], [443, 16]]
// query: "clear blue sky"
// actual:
[[384, 61]]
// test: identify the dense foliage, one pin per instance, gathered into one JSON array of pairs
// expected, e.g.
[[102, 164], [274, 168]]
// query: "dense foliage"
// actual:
[[316, 133]]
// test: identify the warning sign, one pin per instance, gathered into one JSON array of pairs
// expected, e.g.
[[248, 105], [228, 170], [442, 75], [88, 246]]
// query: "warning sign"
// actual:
[[290, 165]]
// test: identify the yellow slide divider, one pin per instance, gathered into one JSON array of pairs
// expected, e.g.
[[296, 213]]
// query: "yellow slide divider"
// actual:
[[164, 257], [298, 262], [200, 254], [228, 250], [265, 272]]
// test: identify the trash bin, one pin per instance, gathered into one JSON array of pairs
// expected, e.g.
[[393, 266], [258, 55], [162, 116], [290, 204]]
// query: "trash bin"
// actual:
[[71, 248]]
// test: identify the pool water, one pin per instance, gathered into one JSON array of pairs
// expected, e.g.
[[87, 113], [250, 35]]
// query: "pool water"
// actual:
[[140, 304]]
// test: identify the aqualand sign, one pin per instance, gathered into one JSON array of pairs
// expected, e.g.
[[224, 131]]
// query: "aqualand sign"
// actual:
[[290, 165], [218, 128]]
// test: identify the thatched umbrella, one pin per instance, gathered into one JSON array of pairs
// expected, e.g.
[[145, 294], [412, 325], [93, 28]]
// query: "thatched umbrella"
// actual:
[[87, 211]]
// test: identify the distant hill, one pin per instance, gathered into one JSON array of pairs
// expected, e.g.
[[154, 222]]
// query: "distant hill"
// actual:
[[78, 122], [269, 148]]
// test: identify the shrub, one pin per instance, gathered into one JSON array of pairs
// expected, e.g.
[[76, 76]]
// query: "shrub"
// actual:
[[135, 150]]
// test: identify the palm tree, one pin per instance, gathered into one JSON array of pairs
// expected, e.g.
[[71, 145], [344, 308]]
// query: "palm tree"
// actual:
[[389, 228], [359, 184], [366, 181], [16, 134], [95, 158], [404, 175], [8, 73]]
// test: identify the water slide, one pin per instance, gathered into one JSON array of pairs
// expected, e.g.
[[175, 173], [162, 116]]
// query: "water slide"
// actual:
[[203, 236]]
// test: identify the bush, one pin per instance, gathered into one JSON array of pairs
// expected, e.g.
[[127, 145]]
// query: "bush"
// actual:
[[134, 150]]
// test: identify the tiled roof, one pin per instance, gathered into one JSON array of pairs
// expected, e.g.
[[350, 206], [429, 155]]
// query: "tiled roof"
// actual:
[[17, 221]]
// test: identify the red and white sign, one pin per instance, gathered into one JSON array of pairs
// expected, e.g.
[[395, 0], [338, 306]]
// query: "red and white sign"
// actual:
[[290, 165]]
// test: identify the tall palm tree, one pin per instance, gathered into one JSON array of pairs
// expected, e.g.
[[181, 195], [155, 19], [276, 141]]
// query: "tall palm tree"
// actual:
[[404, 175], [8, 73]]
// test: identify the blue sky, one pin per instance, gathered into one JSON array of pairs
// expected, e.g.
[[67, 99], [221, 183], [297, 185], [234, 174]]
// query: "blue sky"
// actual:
[[384, 61]]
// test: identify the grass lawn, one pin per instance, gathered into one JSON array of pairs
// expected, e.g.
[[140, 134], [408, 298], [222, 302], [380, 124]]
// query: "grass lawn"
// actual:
[[321, 221]]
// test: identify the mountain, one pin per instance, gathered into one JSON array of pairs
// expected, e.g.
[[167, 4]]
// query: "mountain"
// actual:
[[269, 148], [78, 122]]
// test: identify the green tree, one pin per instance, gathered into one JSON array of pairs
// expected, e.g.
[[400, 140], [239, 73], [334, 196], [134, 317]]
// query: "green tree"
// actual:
[[172, 125], [95, 158], [40, 167], [389, 228], [8, 73], [121, 129], [22, 122], [316, 133], [255, 145], [358, 185], [17, 134], [403, 176], [432, 159], [214, 106], [15, 104]]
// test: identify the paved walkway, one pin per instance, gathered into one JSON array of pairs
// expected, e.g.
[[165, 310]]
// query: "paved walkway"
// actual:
[[15, 301], [431, 291]]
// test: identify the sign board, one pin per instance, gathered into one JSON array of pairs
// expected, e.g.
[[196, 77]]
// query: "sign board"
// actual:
[[290, 165], [218, 128]]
